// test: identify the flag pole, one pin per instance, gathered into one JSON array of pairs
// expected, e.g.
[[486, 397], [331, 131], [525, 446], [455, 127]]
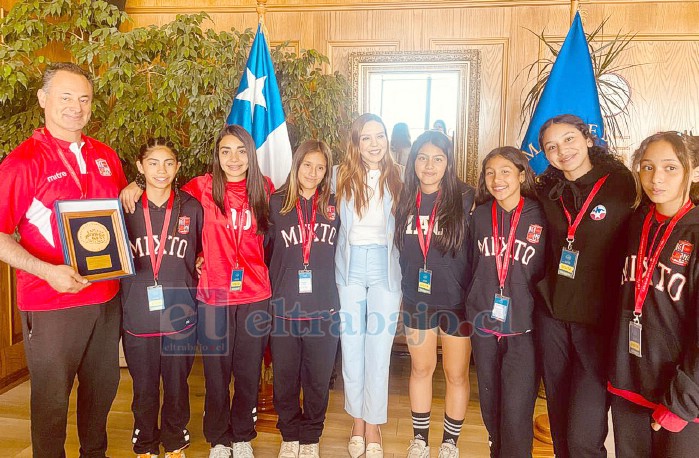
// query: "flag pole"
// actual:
[[574, 7], [261, 10]]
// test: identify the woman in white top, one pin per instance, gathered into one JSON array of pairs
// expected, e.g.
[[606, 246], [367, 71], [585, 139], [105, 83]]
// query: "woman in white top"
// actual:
[[368, 278]]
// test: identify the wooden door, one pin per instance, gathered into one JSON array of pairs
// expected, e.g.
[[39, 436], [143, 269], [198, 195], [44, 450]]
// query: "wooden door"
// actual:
[[13, 366]]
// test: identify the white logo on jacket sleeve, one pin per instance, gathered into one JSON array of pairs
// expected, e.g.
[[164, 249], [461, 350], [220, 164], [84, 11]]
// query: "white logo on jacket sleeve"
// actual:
[[40, 216], [56, 176], [103, 167], [598, 213]]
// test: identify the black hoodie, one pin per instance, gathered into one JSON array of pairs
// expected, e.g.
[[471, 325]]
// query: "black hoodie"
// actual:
[[450, 274], [177, 272], [526, 267], [590, 298], [667, 375], [284, 253]]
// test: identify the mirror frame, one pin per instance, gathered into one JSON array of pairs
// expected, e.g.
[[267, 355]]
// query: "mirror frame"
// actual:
[[468, 65]]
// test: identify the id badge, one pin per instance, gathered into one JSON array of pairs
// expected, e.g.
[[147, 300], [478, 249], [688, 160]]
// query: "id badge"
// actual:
[[568, 264], [237, 280], [305, 282], [635, 330], [424, 281], [500, 306], [156, 299]]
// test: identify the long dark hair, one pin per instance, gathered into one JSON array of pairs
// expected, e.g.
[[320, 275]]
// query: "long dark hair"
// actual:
[[291, 188], [686, 148], [526, 189], [598, 152], [450, 213], [256, 184]]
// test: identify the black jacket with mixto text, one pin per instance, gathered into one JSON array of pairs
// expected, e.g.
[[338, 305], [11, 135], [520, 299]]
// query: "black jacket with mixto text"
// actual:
[[284, 252], [526, 267], [666, 377], [177, 275]]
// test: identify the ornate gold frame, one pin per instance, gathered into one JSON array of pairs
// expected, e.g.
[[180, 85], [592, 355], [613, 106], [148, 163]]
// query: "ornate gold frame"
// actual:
[[468, 65]]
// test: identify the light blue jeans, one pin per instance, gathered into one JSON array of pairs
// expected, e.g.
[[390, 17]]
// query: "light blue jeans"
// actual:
[[369, 312]]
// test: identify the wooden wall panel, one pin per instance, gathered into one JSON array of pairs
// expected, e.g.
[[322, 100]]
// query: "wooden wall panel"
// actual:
[[664, 93]]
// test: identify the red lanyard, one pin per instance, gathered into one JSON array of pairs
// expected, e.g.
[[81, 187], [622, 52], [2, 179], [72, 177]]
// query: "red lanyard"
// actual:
[[573, 226], [425, 244], [238, 234], [307, 230], [156, 262], [643, 278], [503, 265], [71, 170]]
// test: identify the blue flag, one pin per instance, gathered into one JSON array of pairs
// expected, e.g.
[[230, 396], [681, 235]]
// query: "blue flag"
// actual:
[[570, 89], [258, 108]]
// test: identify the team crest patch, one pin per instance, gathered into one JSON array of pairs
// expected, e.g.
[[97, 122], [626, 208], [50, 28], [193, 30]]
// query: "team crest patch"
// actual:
[[183, 225], [682, 252], [534, 233], [103, 167], [330, 210], [598, 213]]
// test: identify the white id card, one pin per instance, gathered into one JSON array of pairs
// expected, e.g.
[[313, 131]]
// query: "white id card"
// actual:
[[305, 282], [500, 306], [156, 299]]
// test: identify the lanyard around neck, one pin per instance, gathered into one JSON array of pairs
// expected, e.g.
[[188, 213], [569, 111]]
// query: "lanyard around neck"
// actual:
[[157, 261], [643, 278], [425, 240], [307, 230], [503, 265]]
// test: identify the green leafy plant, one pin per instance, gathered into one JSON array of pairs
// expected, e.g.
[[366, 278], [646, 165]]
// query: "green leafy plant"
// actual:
[[605, 62], [175, 81]]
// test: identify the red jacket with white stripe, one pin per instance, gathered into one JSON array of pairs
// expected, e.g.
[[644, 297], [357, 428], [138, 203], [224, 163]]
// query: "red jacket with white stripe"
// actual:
[[32, 178]]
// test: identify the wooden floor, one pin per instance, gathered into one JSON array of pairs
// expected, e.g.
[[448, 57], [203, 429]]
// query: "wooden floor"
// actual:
[[15, 435]]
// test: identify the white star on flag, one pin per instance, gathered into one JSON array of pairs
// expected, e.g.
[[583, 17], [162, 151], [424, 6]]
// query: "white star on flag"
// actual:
[[253, 93]]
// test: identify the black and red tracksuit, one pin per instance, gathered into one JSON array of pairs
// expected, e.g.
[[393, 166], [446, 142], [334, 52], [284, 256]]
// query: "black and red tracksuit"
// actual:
[[161, 343], [663, 384], [305, 327], [232, 326], [504, 350], [65, 334], [574, 325]]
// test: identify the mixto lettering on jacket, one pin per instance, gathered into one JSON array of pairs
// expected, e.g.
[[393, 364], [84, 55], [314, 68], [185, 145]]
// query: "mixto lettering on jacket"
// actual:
[[672, 282]]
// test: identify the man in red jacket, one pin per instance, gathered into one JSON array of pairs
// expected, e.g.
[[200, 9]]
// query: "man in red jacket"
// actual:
[[70, 326]]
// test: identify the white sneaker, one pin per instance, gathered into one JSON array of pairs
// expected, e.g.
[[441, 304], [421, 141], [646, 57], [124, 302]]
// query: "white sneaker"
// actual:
[[289, 450], [220, 451], [242, 450], [418, 449], [309, 451], [447, 450]]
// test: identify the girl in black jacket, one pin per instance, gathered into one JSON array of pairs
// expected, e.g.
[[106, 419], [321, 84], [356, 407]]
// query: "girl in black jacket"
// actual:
[[587, 196], [655, 375], [300, 247], [508, 242], [431, 233], [159, 303]]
